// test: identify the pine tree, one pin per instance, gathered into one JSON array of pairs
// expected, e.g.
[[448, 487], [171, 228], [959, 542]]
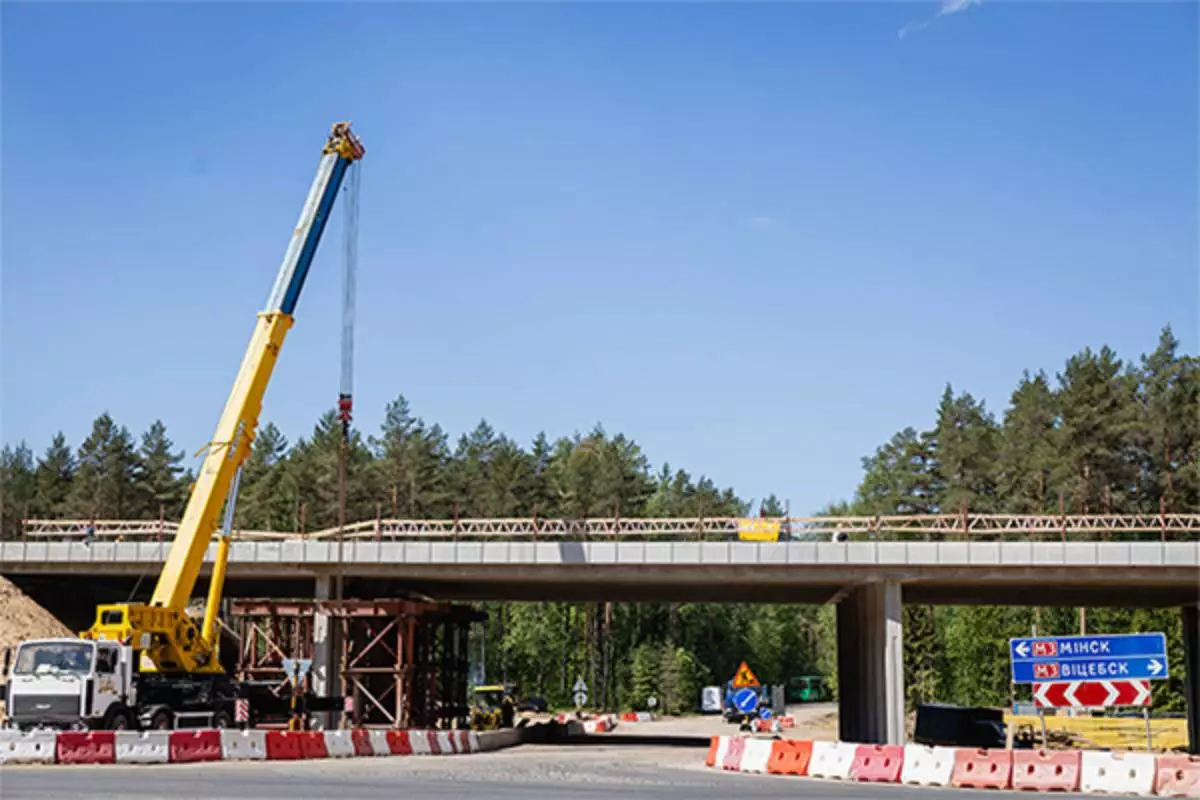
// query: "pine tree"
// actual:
[[1029, 448], [104, 478], [268, 498], [17, 488], [1170, 398], [53, 478], [967, 439], [1099, 428], [159, 480]]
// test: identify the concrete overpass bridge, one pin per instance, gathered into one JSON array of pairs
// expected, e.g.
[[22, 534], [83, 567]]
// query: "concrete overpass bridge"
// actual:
[[868, 566]]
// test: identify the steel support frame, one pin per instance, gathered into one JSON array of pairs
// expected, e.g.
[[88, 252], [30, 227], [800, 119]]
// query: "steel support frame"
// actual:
[[403, 662]]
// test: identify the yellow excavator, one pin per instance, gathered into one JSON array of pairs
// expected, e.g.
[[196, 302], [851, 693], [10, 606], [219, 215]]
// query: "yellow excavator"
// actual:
[[150, 664]]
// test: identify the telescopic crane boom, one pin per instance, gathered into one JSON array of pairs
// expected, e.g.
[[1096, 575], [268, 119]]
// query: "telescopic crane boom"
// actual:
[[168, 640]]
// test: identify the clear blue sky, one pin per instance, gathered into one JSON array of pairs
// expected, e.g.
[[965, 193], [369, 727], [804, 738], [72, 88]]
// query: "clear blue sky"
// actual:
[[759, 239]]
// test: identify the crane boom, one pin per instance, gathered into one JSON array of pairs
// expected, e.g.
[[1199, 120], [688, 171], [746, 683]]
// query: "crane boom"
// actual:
[[168, 639]]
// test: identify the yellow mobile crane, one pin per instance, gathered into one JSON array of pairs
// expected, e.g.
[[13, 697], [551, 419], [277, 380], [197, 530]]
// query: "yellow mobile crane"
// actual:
[[149, 663]]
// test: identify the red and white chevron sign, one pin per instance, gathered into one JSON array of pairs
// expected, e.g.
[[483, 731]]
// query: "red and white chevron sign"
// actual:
[[1091, 694]]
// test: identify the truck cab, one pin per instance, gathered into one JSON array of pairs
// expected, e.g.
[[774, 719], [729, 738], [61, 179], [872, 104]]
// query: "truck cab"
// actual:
[[70, 683]]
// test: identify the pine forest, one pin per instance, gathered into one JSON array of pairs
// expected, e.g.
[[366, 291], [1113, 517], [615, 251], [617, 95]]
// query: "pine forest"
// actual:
[[1103, 435]]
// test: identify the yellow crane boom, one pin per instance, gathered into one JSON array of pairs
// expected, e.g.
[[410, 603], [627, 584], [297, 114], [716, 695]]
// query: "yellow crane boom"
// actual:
[[168, 639]]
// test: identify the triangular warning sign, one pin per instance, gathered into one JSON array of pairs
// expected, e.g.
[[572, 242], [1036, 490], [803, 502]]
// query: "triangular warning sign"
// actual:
[[745, 678]]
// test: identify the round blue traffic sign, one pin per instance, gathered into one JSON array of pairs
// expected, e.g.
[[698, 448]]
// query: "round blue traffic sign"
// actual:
[[745, 700]]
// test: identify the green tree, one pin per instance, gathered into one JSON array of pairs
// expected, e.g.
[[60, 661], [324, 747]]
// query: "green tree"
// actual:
[[17, 488], [104, 480], [53, 476], [158, 476], [1029, 448]]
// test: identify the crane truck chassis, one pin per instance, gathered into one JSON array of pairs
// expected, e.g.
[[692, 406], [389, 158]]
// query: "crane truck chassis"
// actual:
[[150, 665], [77, 684]]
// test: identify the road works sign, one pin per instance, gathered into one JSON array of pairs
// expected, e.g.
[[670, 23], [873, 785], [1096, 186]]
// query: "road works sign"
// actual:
[[1092, 694], [1122, 657], [745, 677]]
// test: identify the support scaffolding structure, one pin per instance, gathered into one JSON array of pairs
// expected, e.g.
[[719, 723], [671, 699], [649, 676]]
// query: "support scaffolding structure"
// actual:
[[404, 662]]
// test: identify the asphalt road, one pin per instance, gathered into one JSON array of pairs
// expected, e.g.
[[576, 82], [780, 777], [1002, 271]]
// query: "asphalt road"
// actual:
[[525, 773]]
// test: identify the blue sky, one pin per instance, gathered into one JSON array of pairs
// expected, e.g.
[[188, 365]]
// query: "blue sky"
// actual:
[[759, 239]]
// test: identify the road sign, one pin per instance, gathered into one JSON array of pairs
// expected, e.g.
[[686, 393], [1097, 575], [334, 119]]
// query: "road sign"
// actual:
[[580, 692], [296, 668], [1092, 694], [745, 677], [1129, 656], [745, 700]]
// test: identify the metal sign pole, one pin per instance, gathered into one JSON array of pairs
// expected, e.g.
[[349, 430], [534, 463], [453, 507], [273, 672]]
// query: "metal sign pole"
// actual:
[[1149, 736], [1045, 736]]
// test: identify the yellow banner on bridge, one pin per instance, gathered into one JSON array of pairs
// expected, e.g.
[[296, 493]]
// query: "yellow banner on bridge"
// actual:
[[757, 529]]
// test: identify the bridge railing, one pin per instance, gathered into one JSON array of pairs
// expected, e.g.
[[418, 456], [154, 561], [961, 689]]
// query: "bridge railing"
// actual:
[[930, 527]]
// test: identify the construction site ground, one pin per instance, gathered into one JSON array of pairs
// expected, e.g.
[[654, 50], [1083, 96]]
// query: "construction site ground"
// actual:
[[588, 771]]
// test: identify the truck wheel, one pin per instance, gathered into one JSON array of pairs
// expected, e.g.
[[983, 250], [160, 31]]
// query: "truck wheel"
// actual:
[[117, 719], [221, 719], [161, 720]]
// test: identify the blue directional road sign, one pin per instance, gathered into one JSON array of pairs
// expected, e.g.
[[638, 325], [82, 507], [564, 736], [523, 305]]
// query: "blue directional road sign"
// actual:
[[1129, 656], [745, 700]]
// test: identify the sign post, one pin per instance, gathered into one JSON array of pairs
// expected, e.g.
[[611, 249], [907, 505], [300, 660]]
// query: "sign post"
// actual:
[[1100, 671], [580, 692]]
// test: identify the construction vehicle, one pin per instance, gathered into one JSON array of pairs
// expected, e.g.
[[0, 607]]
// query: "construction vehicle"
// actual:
[[493, 707], [151, 665]]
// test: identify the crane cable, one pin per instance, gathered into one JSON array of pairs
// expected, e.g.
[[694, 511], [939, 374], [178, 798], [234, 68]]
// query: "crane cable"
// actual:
[[345, 386], [349, 272]]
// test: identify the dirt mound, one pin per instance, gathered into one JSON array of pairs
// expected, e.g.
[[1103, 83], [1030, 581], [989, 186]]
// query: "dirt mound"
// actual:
[[21, 618]]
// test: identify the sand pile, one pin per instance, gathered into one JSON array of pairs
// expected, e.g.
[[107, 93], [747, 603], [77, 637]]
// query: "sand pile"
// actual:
[[21, 618]]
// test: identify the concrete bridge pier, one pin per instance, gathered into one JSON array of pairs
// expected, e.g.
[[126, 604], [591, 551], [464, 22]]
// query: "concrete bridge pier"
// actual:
[[1191, 659], [870, 642]]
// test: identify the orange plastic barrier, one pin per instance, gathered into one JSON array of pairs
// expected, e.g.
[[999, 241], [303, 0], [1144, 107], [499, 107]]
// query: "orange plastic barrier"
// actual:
[[362, 742], [312, 744], [713, 745], [1039, 771], [787, 722], [733, 756], [186, 746], [877, 763], [398, 743], [982, 769], [790, 757], [1177, 776], [283, 746], [85, 747], [629, 716]]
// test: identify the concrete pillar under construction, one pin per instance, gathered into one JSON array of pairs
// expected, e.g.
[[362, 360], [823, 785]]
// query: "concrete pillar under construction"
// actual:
[[870, 641], [325, 677]]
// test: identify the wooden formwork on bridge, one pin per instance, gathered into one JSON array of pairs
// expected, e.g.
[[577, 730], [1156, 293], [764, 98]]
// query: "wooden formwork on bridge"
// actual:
[[404, 662]]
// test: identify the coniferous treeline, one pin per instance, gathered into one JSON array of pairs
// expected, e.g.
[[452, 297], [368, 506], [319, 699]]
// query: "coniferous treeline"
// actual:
[[1103, 436]]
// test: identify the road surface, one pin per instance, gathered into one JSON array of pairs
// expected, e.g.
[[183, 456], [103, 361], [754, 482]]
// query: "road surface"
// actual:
[[530, 772]]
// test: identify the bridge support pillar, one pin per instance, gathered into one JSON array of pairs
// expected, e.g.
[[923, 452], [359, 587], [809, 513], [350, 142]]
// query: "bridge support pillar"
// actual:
[[324, 651], [1191, 659], [870, 640]]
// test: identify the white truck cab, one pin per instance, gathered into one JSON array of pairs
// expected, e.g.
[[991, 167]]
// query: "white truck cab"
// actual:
[[70, 683]]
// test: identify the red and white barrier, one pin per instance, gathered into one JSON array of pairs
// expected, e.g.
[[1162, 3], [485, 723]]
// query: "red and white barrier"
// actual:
[[832, 760], [189, 746], [149, 747], [1144, 774], [31, 747], [340, 744], [1118, 773], [927, 766], [756, 754], [243, 745]]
